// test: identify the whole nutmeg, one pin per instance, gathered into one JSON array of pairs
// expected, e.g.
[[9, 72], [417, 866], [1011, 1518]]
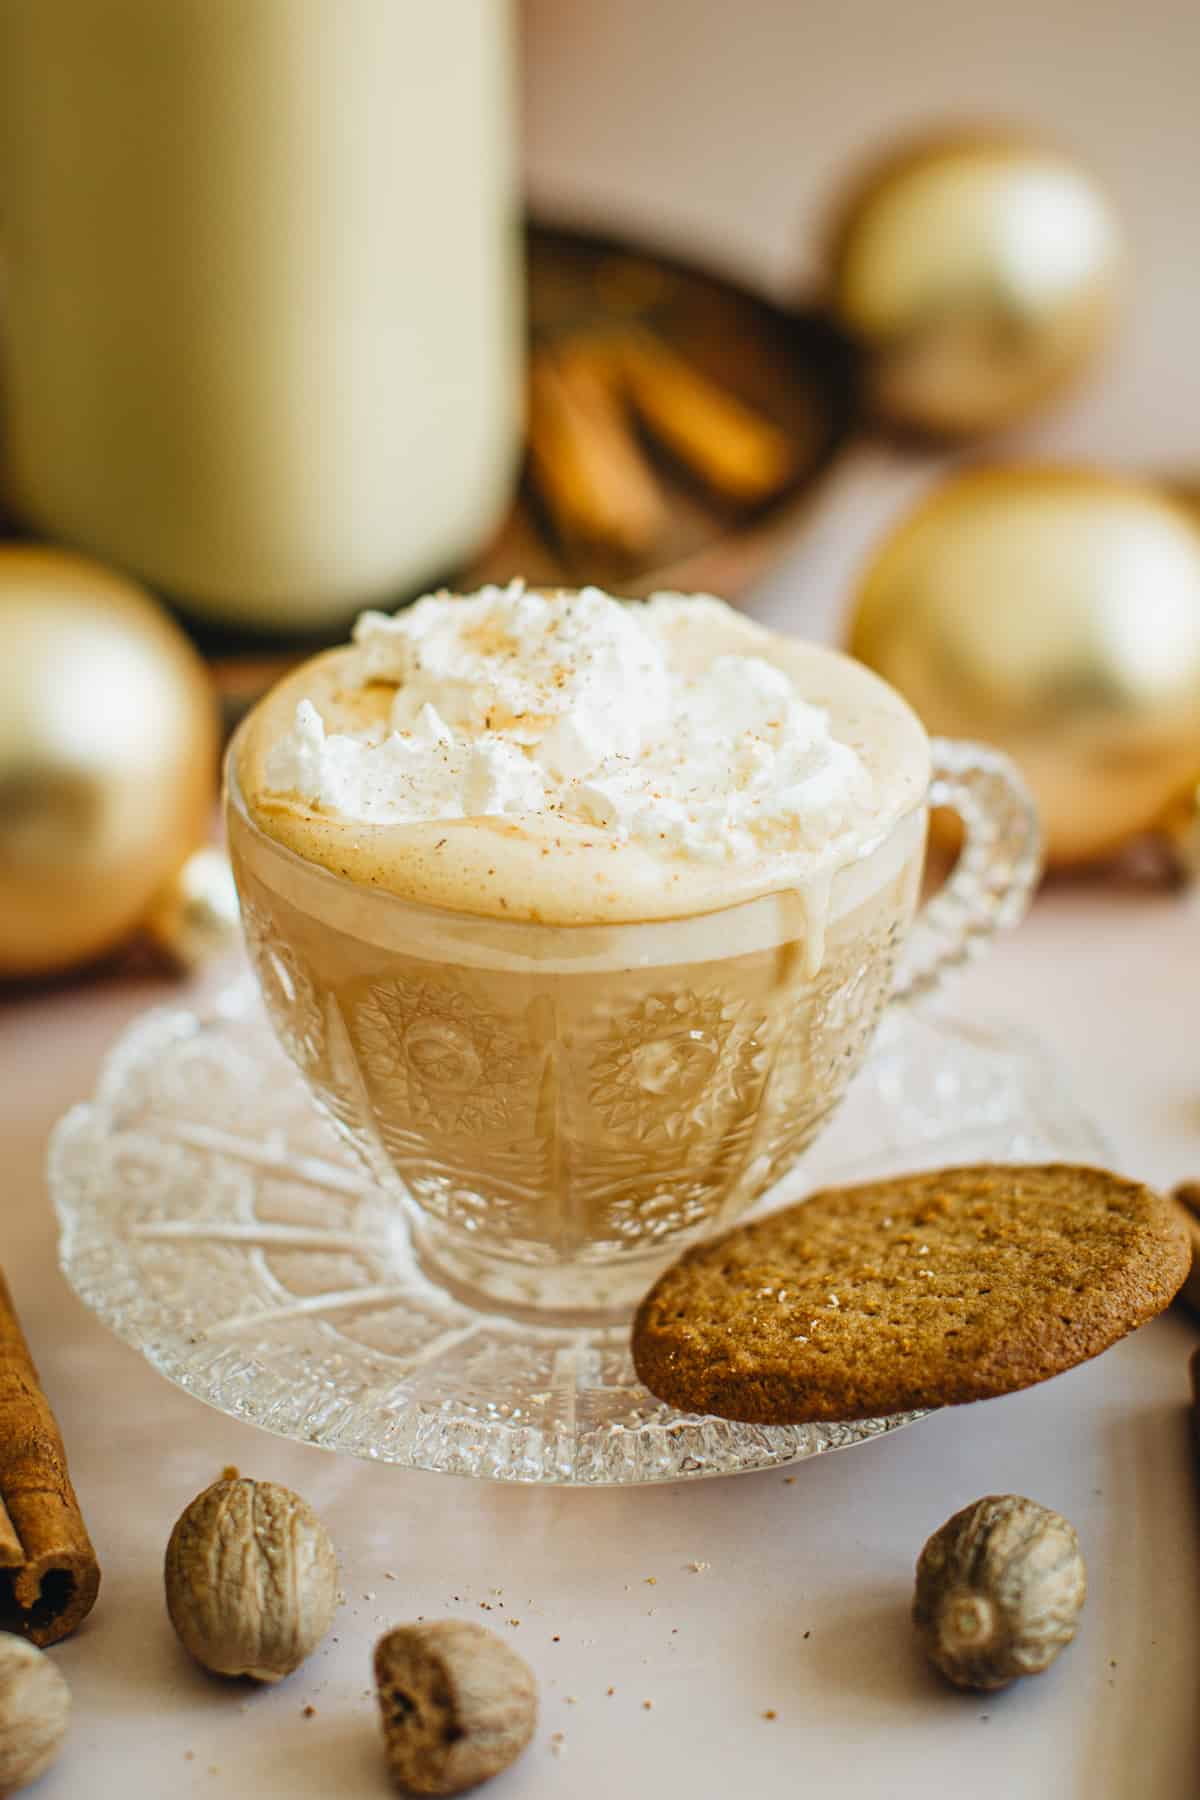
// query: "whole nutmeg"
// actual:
[[251, 1578], [458, 1705], [999, 1591], [35, 1703]]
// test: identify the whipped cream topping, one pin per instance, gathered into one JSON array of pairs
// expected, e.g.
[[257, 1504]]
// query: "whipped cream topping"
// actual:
[[587, 709]]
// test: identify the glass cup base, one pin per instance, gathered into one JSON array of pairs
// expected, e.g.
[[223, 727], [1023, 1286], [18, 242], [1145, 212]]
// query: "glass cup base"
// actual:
[[579, 1294], [214, 1218]]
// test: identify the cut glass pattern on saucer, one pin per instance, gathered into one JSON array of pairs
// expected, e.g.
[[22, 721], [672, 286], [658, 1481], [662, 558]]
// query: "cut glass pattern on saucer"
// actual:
[[214, 1219]]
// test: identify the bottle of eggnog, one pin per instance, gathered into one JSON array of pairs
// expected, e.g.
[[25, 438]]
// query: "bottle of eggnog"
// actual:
[[260, 333]]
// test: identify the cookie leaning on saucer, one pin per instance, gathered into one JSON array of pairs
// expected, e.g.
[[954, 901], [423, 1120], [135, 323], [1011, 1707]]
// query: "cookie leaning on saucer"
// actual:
[[919, 1291]]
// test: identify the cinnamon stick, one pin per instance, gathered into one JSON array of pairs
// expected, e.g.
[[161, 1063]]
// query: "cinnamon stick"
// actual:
[[48, 1569], [739, 453], [584, 455]]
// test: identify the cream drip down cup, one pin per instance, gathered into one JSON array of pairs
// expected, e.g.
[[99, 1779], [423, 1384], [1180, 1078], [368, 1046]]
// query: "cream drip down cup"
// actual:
[[578, 915]]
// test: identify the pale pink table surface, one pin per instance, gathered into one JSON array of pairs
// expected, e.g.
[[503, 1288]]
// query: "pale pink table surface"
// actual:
[[803, 1609]]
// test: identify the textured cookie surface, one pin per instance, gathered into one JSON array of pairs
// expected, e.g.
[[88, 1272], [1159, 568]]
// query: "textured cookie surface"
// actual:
[[918, 1291]]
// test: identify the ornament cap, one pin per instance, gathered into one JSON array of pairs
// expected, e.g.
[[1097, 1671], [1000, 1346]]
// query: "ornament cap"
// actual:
[[195, 914]]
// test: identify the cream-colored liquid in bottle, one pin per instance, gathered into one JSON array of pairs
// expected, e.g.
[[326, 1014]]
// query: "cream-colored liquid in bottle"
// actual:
[[260, 333]]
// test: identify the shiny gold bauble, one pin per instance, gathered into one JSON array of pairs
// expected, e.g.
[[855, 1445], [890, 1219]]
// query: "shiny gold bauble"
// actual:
[[1055, 613], [980, 273], [108, 751]]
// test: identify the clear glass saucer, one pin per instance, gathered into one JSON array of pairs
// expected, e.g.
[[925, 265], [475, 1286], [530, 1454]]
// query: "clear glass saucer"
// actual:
[[214, 1219]]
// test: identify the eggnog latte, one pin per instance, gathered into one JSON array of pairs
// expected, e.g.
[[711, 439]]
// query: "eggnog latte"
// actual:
[[578, 915]]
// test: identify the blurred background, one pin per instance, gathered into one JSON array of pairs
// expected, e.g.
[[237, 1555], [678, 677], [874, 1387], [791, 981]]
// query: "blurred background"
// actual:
[[877, 320], [733, 138]]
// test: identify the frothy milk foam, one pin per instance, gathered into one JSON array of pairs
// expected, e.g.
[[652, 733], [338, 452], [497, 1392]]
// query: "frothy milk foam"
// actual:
[[729, 824], [579, 760]]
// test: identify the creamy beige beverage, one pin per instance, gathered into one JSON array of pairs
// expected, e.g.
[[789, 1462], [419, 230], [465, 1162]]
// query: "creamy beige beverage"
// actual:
[[577, 915], [573, 759], [260, 340]]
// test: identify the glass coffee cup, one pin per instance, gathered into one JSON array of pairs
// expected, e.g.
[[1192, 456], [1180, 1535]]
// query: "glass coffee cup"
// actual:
[[559, 1110]]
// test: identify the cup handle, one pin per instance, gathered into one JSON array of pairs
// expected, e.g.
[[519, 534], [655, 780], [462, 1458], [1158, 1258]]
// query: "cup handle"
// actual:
[[992, 882]]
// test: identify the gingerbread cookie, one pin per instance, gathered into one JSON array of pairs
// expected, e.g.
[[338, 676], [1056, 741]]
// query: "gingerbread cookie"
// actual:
[[918, 1291]]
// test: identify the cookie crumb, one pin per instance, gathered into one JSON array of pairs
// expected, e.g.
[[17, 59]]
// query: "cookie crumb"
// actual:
[[652, 1581], [698, 1568], [647, 1705], [611, 1690], [556, 1639], [770, 1713], [308, 1712], [808, 1634], [231, 1472]]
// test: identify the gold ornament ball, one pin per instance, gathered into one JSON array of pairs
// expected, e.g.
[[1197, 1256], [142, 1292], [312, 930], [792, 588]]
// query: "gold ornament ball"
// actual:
[[108, 752], [1055, 613], [980, 273]]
